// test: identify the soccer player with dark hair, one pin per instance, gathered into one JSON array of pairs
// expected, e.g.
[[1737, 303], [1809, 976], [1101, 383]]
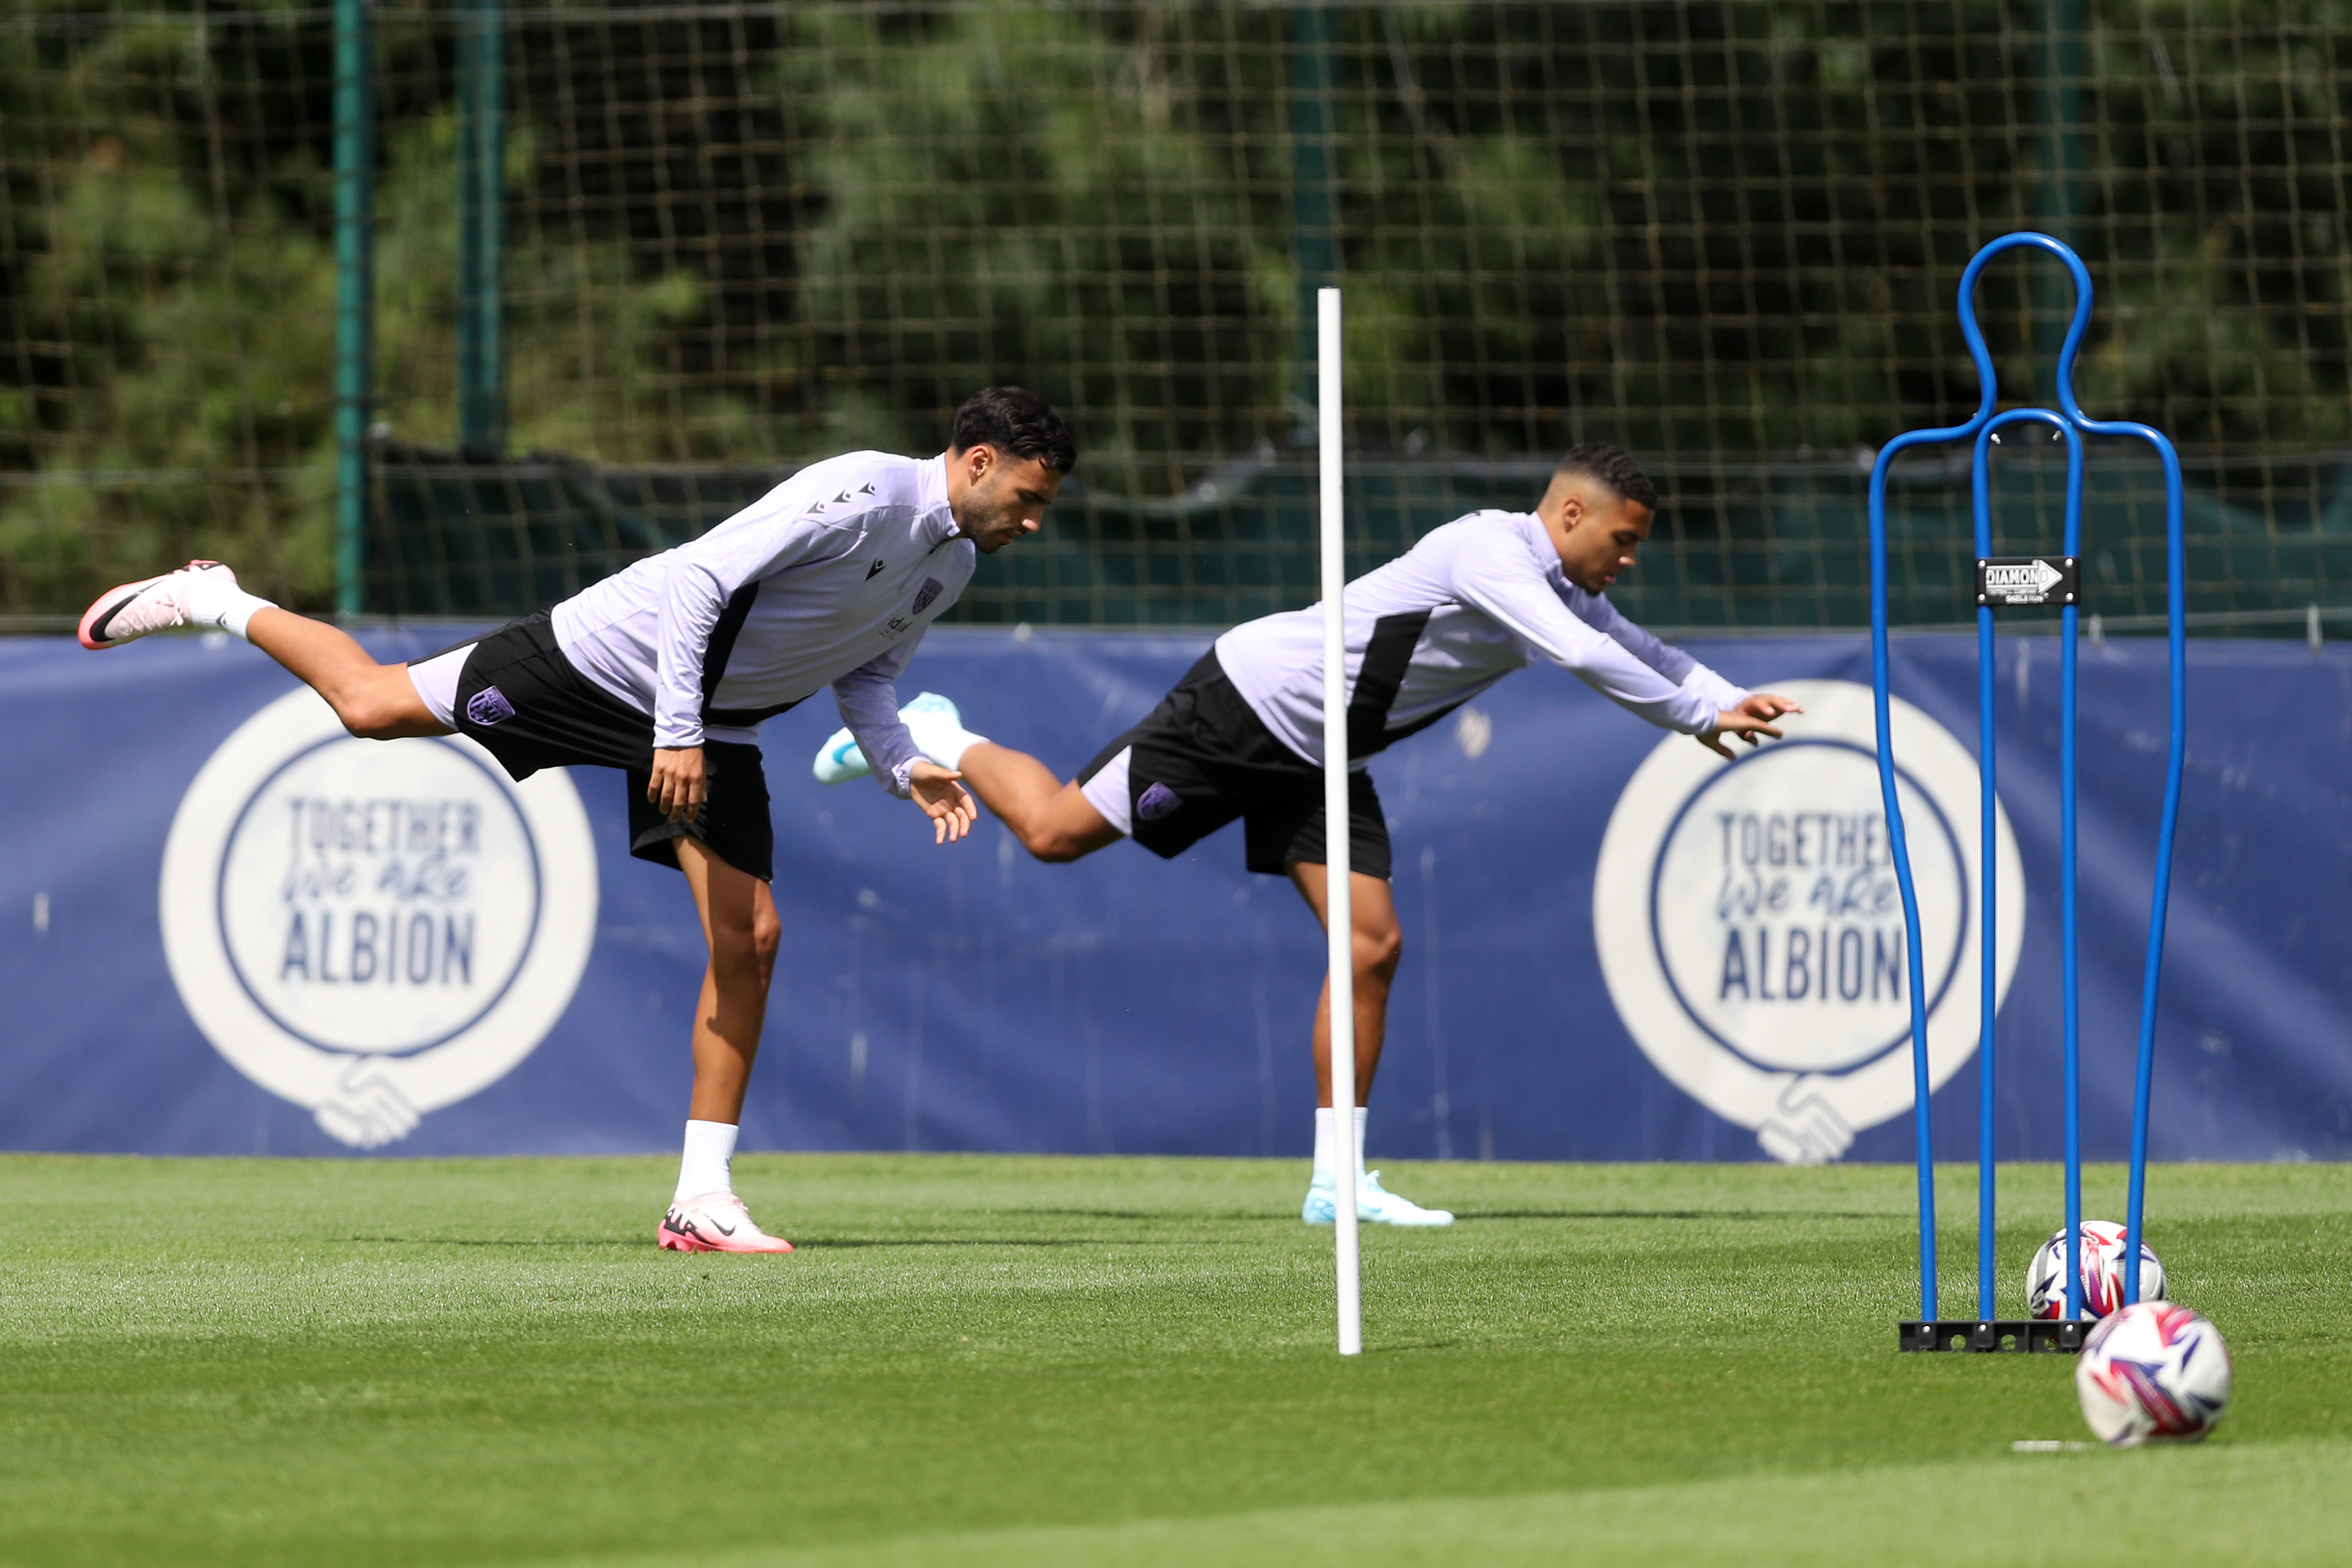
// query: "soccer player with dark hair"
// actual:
[[1241, 734], [665, 670]]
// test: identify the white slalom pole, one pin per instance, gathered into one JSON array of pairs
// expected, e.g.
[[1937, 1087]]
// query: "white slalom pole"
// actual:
[[1339, 907]]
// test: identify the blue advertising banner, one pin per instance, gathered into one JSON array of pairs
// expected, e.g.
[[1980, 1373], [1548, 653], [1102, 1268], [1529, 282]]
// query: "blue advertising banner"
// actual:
[[226, 927]]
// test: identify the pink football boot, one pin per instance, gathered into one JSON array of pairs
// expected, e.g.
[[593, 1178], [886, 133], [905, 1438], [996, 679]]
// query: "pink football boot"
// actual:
[[158, 604], [715, 1222]]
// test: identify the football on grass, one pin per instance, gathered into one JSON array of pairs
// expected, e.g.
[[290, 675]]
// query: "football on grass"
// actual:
[[2153, 1373], [2103, 1273]]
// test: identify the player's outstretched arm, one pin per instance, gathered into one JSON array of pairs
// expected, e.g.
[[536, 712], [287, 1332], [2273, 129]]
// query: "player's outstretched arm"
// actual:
[[941, 793], [1751, 720]]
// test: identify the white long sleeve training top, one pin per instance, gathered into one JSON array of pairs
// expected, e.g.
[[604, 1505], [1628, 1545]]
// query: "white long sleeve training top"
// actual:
[[832, 577], [1475, 600]]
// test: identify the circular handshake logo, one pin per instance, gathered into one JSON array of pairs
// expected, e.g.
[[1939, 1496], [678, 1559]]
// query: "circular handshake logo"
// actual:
[[373, 931], [1751, 927]]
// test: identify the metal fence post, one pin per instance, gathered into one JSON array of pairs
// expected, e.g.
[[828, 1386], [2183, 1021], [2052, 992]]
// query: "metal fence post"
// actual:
[[354, 294], [481, 188]]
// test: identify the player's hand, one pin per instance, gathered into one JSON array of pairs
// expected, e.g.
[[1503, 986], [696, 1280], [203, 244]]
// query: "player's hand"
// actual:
[[676, 786], [938, 790], [1749, 721]]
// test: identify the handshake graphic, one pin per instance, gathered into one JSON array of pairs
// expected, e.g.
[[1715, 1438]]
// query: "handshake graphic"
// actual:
[[364, 1110]]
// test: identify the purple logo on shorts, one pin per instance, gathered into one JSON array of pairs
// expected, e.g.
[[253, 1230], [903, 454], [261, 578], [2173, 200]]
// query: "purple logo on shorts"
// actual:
[[1157, 802], [489, 706], [933, 587]]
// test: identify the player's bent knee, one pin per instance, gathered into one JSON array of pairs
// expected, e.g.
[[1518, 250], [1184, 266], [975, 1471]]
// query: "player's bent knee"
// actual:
[[1054, 848], [382, 705], [369, 718], [1378, 952], [1057, 844]]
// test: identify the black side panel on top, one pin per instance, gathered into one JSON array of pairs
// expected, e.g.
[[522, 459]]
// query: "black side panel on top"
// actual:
[[1405, 731], [1386, 658], [721, 646]]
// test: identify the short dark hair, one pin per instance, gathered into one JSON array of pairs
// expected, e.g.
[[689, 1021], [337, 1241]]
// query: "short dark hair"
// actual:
[[1610, 465], [1016, 422]]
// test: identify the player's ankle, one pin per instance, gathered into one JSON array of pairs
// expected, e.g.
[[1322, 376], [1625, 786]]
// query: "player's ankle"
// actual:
[[223, 605], [1325, 1151], [943, 742], [707, 1163]]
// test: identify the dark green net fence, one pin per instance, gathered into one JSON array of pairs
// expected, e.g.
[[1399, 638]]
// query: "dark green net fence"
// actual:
[[727, 238]]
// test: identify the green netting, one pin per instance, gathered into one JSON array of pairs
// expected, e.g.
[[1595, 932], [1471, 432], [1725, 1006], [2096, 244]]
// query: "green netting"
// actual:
[[1767, 547], [737, 237]]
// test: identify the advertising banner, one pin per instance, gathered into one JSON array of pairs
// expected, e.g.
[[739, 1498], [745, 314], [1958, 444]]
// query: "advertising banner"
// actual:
[[228, 927]]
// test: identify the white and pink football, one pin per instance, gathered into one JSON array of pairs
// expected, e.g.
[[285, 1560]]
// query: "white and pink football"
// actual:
[[2103, 1273], [2153, 1373]]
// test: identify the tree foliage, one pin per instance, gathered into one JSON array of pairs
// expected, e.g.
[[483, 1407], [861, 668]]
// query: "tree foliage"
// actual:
[[1714, 231]]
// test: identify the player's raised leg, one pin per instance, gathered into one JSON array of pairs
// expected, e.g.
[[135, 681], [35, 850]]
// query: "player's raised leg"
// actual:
[[1378, 947], [202, 594], [740, 924], [1053, 820], [375, 702]]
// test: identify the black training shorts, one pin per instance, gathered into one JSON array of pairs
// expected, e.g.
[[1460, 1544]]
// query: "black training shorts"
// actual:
[[531, 707], [1202, 758]]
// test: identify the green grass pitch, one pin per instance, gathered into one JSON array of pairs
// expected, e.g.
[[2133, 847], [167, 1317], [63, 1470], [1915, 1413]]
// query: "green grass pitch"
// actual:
[[999, 1361]]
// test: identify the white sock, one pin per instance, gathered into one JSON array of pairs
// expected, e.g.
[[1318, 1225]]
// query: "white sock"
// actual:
[[938, 737], [1323, 1130], [709, 1158], [223, 604]]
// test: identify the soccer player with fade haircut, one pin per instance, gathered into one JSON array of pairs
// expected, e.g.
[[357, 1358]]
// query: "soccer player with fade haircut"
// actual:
[[1241, 734], [665, 669]]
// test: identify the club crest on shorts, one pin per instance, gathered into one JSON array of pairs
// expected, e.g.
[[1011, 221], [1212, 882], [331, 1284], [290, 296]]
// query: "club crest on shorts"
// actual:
[[933, 587], [1751, 932], [489, 706], [1157, 802], [371, 930]]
